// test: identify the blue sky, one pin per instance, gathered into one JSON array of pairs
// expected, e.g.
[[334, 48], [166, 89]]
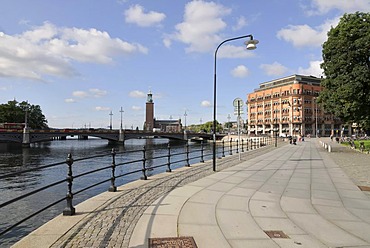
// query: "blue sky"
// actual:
[[79, 60]]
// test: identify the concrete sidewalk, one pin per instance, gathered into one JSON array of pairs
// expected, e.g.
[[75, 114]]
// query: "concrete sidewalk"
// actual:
[[290, 196], [295, 194]]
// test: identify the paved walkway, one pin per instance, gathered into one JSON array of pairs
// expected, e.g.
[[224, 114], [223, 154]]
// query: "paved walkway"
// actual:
[[296, 194]]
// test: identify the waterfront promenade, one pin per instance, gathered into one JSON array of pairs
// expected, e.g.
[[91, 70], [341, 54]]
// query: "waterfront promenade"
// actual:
[[290, 196]]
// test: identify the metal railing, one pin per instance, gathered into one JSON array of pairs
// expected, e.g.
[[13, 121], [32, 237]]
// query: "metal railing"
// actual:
[[168, 159]]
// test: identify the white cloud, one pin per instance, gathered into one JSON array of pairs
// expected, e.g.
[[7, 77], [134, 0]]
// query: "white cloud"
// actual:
[[304, 35], [69, 100], [91, 93], [202, 21], [230, 51], [313, 70], [240, 71], [135, 14], [137, 94], [241, 23], [99, 108], [205, 104], [97, 92], [136, 108], [274, 69], [167, 42], [319, 7], [50, 50], [80, 94]]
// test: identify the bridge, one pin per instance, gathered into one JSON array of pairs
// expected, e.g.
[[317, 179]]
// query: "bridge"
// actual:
[[28, 136]]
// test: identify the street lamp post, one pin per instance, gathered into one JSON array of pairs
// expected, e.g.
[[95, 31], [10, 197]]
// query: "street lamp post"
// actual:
[[185, 114], [251, 45], [121, 111], [110, 123]]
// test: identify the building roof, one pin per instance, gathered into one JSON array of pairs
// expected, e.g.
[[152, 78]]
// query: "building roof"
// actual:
[[290, 80]]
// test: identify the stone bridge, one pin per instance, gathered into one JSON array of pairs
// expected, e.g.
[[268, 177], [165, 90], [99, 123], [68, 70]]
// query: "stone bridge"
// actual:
[[27, 136]]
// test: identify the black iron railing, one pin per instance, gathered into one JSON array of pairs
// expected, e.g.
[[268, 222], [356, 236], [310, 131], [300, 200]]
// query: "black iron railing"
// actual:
[[142, 161]]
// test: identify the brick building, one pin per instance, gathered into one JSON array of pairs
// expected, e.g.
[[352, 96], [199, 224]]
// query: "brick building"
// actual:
[[288, 106], [152, 124]]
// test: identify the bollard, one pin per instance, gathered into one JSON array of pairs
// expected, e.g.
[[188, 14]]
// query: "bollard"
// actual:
[[237, 146], [242, 145], [113, 187], [69, 210], [329, 148], [169, 158]]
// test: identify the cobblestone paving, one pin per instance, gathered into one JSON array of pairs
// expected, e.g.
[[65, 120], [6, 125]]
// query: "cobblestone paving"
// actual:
[[113, 223], [354, 163]]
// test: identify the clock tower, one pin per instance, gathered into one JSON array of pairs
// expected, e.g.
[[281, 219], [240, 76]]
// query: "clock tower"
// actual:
[[149, 120]]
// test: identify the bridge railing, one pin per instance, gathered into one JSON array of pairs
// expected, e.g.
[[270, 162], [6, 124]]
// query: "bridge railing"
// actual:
[[114, 166]]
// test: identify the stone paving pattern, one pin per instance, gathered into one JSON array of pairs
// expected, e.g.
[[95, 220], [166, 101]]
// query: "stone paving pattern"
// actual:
[[293, 191], [112, 224], [302, 191]]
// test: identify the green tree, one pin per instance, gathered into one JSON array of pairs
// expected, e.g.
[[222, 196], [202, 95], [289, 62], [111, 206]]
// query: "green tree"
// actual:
[[206, 127], [346, 65], [15, 112]]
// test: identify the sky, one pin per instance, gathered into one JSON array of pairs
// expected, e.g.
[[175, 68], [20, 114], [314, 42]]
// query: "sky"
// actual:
[[82, 60]]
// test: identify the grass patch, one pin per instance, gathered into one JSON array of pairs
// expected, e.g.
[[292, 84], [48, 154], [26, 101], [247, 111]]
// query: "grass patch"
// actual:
[[357, 144]]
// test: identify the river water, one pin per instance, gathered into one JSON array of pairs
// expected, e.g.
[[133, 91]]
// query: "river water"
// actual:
[[15, 158]]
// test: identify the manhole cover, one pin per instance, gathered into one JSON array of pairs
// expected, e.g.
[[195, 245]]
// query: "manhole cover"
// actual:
[[364, 188], [277, 234], [175, 242]]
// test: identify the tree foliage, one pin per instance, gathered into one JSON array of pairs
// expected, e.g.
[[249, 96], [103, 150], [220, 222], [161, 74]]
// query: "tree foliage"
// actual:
[[346, 65], [206, 127], [15, 112]]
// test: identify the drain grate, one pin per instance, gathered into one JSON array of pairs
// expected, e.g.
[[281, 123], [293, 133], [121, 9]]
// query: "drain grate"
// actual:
[[277, 234], [364, 188], [172, 242]]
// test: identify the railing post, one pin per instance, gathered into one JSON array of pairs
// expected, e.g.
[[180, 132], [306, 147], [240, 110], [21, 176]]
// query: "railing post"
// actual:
[[144, 177], [231, 147], [113, 187], [237, 146], [242, 145], [223, 148], [187, 154], [169, 158], [69, 210], [201, 152]]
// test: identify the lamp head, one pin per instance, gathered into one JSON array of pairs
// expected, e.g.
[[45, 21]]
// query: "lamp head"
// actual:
[[251, 44]]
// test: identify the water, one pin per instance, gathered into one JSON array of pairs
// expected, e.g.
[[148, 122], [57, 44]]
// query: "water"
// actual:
[[15, 158]]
